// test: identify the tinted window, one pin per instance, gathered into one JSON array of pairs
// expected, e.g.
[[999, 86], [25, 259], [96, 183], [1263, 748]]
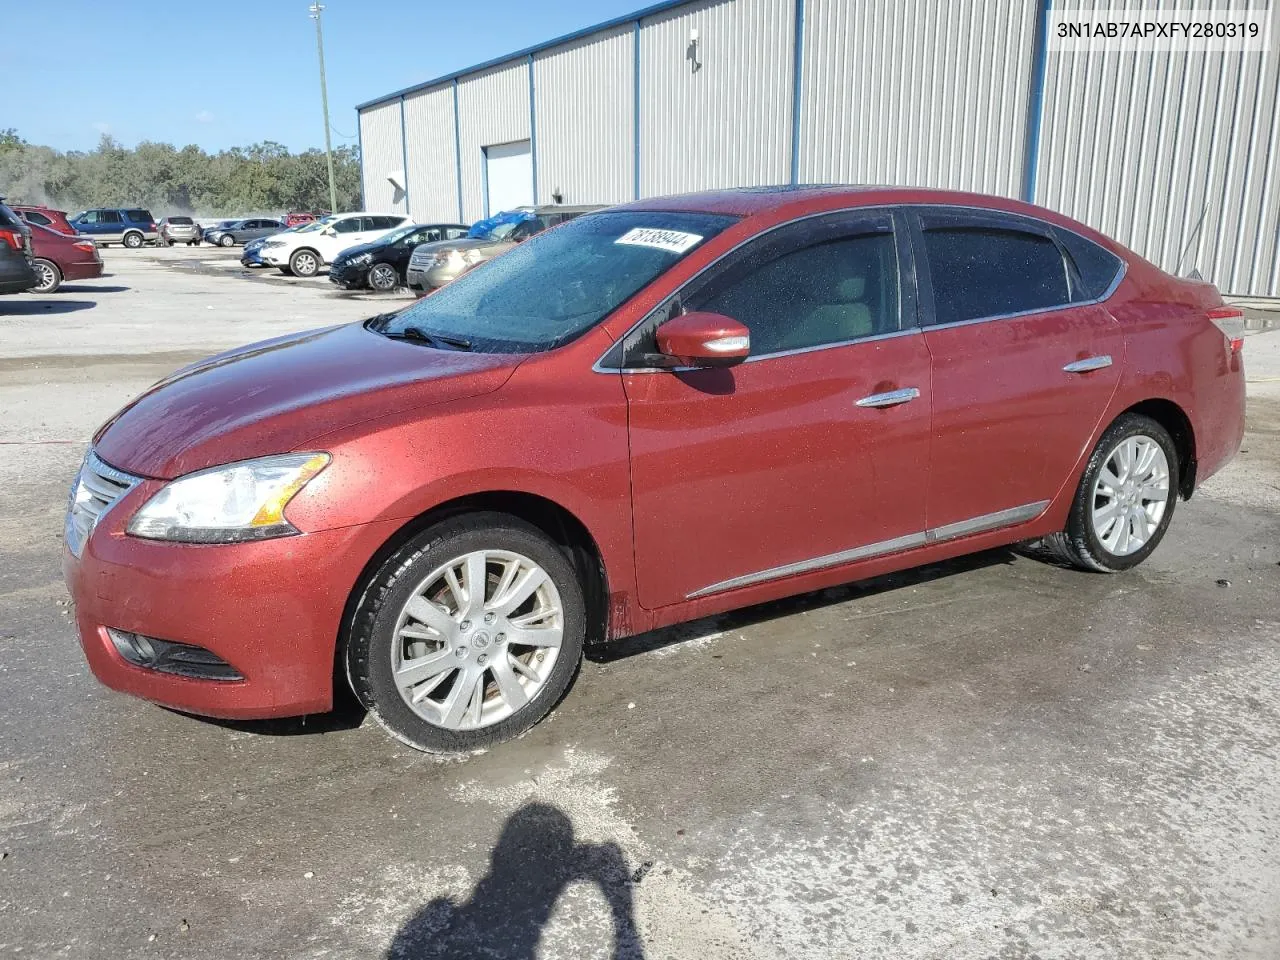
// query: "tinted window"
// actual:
[[560, 283], [183, 221], [1095, 267], [350, 225], [138, 216], [453, 233], [39, 218], [109, 216], [986, 272], [8, 216], [830, 291], [386, 223]]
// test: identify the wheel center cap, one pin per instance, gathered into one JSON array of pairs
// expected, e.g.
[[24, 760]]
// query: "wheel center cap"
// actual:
[[480, 640]]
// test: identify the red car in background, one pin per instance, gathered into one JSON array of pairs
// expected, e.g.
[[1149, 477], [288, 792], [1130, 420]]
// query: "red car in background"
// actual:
[[653, 413], [42, 216], [297, 219], [57, 257]]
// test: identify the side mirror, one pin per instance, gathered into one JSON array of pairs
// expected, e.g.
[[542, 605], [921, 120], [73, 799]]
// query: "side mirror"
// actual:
[[704, 340], [329, 232]]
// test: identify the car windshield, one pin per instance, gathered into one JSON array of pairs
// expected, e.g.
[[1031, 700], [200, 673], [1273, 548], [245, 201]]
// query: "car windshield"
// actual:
[[313, 225], [401, 233], [558, 284]]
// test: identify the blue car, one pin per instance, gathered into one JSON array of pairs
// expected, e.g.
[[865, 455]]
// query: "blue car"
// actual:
[[130, 226]]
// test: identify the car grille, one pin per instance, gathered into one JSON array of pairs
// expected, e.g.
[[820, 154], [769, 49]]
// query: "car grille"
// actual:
[[97, 487], [425, 260]]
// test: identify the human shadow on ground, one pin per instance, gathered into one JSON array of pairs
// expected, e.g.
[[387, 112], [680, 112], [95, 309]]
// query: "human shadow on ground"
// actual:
[[535, 859]]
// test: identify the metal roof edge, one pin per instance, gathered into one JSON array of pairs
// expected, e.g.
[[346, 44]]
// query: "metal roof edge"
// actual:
[[527, 51]]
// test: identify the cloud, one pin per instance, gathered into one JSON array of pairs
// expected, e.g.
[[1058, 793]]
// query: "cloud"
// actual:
[[204, 116], [102, 126]]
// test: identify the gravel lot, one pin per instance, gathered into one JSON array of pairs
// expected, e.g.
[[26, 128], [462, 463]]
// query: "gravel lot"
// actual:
[[988, 758]]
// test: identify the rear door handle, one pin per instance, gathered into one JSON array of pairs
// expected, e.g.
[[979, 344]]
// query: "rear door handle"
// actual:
[[1088, 363], [890, 399]]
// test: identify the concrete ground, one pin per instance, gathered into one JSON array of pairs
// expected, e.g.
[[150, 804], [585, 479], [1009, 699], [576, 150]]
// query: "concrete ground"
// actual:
[[988, 758]]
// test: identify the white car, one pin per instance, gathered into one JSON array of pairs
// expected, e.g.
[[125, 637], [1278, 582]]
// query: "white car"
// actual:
[[305, 251]]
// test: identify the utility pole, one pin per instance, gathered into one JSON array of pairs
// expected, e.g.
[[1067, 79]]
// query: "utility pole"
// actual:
[[315, 9]]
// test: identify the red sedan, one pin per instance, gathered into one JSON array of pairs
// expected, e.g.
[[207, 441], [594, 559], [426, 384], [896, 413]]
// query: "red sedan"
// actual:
[[653, 413], [58, 257]]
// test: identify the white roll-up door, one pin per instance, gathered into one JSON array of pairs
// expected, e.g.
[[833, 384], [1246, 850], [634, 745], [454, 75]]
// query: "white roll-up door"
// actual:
[[509, 176]]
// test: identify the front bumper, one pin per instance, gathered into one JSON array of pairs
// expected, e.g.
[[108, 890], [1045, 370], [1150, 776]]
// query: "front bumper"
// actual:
[[277, 258], [272, 609], [347, 276]]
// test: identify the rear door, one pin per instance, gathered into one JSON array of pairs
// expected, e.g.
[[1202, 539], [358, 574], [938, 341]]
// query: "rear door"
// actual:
[[812, 454], [1024, 366]]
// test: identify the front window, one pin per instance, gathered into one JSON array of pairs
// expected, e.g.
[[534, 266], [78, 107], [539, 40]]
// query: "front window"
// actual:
[[558, 284]]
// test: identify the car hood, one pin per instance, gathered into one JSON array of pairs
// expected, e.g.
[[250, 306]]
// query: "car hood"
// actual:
[[348, 252], [276, 396]]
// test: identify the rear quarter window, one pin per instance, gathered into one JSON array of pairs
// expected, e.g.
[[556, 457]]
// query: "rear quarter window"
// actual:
[[1096, 268], [138, 216], [983, 271]]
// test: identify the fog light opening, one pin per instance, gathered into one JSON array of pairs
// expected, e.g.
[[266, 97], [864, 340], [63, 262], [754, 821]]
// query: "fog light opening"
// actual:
[[165, 656]]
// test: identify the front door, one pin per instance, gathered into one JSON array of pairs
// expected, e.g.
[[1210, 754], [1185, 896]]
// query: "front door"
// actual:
[[1024, 366], [812, 454]]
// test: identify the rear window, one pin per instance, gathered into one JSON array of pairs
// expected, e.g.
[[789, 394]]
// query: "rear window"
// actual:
[[989, 272], [138, 216], [182, 221], [1095, 267]]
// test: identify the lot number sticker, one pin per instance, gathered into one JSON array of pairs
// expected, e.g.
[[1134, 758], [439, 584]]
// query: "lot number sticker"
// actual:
[[674, 241]]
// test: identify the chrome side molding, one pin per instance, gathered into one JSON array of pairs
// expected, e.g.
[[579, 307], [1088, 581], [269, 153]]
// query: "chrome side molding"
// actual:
[[951, 531]]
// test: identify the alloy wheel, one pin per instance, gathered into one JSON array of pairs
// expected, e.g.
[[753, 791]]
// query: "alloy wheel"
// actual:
[[477, 640], [1131, 495], [383, 277], [46, 277]]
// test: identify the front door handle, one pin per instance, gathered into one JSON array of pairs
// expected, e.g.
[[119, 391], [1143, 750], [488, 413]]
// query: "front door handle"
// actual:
[[1088, 363], [890, 399]]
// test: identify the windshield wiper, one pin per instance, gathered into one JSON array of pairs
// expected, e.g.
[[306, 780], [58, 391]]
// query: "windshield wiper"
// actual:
[[437, 340]]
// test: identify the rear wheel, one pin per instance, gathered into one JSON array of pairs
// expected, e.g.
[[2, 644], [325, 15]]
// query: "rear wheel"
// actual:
[[1125, 500], [305, 263], [48, 276], [132, 240], [468, 635], [383, 277]]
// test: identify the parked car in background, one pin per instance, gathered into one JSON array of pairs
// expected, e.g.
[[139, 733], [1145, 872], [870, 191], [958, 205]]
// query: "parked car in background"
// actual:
[[221, 225], [434, 266], [298, 219], [305, 252], [381, 264], [16, 273], [129, 226], [252, 253], [44, 217], [660, 412], [178, 230], [242, 231], [58, 257]]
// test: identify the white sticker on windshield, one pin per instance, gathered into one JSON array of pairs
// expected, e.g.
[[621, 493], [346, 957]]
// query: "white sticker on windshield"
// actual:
[[675, 241]]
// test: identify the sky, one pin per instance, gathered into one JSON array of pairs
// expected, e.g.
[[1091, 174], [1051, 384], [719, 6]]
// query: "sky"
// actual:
[[221, 74]]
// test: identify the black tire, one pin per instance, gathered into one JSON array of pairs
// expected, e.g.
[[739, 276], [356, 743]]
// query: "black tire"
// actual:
[[48, 275], [378, 274], [227, 241], [133, 240], [1079, 545], [166, 242], [286, 271], [368, 644], [304, 263]]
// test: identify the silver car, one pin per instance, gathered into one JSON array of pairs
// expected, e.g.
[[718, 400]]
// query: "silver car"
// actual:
[[178, 230]]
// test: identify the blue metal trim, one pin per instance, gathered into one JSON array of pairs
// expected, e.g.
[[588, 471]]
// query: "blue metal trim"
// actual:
[[533, 134], [635, 132], [797, 55], [360, 150], [538, 48], [404, 157], [484, 179], [457, 147], [1035, 102]]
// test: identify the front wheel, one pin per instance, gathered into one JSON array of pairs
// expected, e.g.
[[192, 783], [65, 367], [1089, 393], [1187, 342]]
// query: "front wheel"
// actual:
[[383, 277], [1125, 500], [227, 242], [133, 240], [48, 276], [305, 263], [468, 635]]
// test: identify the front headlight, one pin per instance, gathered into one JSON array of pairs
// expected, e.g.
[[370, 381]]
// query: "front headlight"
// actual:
[[361, 259], [274, 243], [228, 504]]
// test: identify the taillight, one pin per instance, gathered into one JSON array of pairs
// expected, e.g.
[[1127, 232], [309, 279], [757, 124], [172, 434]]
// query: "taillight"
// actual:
[[13, 238], [1230, 320], [88, 246]]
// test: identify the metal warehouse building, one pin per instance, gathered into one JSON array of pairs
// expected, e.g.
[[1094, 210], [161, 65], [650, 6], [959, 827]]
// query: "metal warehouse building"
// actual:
[[1166, 152]]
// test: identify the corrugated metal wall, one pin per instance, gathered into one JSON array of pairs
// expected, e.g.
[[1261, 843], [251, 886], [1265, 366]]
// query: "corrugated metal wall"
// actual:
[[728, 123], [382, 152], [584, 108], [916, 92], [1170, 152], [493, 107], [432, 163]]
